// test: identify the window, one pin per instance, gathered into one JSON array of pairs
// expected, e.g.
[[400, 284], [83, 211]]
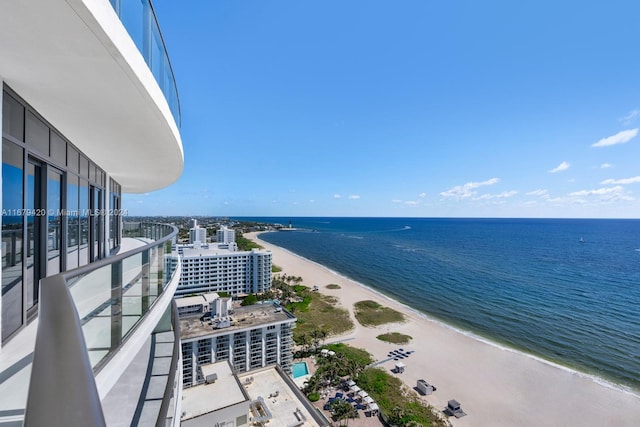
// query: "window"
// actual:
[[12, 117], [46, 226], [37, 134], [12, 225], [73, 222]]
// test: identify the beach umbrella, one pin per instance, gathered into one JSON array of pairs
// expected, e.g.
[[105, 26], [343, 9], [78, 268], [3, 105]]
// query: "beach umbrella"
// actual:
[[368, 399], [363, 393], [355, 388], [351, 383]]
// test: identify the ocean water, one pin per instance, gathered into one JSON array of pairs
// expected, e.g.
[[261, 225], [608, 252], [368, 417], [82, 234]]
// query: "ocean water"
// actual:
[[567, 291]]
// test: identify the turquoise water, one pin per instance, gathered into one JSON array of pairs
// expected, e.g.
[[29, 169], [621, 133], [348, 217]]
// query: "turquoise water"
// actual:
[[300, 369], [564, 290]]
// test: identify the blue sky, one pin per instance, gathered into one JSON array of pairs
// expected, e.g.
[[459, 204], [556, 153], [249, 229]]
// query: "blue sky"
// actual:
[[404, 108]]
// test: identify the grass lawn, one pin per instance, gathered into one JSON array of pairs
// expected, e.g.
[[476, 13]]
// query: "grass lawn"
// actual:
[[370, 313], [395, 338], [399, 404], [320, 312]]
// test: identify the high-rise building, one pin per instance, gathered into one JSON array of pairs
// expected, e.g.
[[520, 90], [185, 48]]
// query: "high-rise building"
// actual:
[[197, 234], [216, 267], [90, 110], [249, 338], [225, 235]]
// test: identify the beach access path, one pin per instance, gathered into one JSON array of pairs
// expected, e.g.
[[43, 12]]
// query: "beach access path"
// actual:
[[495, 386]]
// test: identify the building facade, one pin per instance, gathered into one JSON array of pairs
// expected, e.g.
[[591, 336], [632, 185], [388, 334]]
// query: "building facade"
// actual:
[[89, 111], [225, 235], [217, 268], [255, 337], [197, 234]]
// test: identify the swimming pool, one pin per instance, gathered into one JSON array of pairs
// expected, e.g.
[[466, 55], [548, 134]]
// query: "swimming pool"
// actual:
[[299, 369]]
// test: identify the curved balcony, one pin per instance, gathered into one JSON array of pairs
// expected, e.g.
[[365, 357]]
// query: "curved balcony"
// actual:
[[140, 20], [78, 66], [93, 325]]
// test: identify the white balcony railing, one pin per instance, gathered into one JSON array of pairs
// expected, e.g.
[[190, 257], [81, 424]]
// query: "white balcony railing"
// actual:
[[86, 317]]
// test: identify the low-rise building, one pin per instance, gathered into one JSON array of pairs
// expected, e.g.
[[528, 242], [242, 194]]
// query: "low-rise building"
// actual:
[[229, 407], [265, 396]]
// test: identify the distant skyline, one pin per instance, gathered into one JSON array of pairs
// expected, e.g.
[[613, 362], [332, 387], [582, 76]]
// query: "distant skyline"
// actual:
[[415, 108]]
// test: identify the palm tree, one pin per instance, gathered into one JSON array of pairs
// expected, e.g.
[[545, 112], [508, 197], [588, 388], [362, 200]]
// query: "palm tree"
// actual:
[[312, 385], [315, 339], [353, 368], [342, 410], [323, 335]]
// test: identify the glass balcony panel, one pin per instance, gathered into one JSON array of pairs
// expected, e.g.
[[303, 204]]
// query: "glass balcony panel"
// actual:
[[110, 307], [128, 323], [131, 271], [132, 17], [139, 19], [91, 293]]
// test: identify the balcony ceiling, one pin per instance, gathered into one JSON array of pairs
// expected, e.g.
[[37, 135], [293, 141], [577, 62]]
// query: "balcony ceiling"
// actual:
[[75, 64]]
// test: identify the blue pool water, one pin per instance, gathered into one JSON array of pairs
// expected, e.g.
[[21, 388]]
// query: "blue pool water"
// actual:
[[300, 369]]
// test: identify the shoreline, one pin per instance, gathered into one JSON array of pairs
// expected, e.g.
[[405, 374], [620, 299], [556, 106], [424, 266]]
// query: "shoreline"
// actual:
[[518, 381], [471, 334]]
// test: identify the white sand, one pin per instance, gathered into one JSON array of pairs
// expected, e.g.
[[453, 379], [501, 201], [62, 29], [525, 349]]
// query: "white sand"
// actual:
[[495, 386]]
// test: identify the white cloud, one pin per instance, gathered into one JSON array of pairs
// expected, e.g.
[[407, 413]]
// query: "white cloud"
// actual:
[[624, 181], [605, 193], [337, 196], [630, 118], [411, 203], [466, 190], [353, 197], [422, 195], [606, 166], [312, 201], [502, 195], [539, 192], [396, 201], [561, 167], [618, 138]]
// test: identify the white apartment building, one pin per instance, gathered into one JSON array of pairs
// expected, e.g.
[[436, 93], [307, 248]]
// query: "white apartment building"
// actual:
[[197, 234], [225, 235], [248, 338], [219, 268]]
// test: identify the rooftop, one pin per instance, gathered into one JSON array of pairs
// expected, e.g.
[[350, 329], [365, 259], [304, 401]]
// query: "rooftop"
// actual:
[[286, 407], [211, 249], [196, 299], [198, 400], [191, 327]]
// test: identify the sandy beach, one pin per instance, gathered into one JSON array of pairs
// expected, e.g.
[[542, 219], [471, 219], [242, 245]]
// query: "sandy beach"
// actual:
[[495, 386]]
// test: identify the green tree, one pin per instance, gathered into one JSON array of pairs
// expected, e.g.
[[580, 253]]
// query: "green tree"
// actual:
[[312, 385], [249, 300], [342, 410]]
